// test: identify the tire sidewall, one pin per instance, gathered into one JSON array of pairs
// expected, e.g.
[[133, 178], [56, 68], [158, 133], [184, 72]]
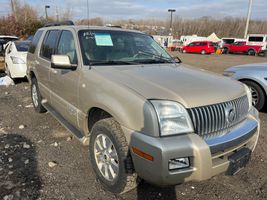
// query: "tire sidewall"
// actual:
[[118, 184], [203, 52], [39, 108], [262, 97]]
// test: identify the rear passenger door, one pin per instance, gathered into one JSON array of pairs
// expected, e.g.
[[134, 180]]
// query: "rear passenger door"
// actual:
[[64, 93], [43, 62]]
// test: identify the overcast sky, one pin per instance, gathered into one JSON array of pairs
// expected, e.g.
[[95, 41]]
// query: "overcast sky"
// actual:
[[134, 9]]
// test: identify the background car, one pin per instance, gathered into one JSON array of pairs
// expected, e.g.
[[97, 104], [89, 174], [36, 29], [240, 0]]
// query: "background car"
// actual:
[[15, 59], [242, 47], [255, 77], [203, 47], [4, 39]]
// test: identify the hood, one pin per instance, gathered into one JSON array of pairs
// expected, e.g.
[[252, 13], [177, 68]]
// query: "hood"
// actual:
[[186, 85], [255, 66]]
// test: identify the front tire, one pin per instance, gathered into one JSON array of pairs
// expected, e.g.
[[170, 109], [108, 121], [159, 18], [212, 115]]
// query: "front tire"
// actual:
[[36, 97], [109, 155], [258, 95]]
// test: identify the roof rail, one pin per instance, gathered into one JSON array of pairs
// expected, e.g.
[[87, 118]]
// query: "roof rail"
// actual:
[[113, 26], [65, 23]]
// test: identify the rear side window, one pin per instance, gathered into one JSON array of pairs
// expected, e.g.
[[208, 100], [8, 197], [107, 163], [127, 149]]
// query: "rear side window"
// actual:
[[203, 44], [35, 41], [255, 39], [49, 44]]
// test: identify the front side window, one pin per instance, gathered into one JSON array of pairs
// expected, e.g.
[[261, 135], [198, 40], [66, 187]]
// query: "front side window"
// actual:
[[66, 46], [49, 44], [120, 47]]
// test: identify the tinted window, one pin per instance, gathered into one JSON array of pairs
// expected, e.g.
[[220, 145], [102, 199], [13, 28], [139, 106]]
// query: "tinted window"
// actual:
[[66, 46], [120, 47], [35, 41], [255, 39], [49, 44], [203, 44], [22, 46]]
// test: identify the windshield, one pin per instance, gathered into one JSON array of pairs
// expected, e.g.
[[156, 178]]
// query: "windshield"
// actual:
[[22, 46], [120, 47]]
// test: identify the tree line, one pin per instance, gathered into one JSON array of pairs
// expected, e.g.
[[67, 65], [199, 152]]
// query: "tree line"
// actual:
[[24, 21]]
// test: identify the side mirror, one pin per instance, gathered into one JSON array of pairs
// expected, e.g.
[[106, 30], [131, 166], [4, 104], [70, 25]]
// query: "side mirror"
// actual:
[[62, 62], [177, 60]]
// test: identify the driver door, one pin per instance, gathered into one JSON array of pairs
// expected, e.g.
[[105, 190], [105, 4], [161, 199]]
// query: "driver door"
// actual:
[[64, 95]]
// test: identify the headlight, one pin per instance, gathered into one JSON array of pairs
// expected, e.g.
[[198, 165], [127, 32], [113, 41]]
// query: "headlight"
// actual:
[[17, 60], [228, 73], [173, 118], [249, 95]]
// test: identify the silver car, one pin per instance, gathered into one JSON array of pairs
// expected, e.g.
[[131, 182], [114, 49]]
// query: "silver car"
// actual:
[[255, 77]]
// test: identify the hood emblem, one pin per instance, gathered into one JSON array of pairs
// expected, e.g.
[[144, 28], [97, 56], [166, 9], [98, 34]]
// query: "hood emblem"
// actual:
[[230, 113]]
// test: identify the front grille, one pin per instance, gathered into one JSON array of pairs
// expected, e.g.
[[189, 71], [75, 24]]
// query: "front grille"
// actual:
[[218, 119]]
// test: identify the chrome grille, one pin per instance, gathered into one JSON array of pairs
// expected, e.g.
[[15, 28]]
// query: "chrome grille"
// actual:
[[215, 120]]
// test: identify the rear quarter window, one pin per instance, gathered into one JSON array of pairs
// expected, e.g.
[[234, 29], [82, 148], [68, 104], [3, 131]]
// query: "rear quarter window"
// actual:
[[255, 39], [35, 41]]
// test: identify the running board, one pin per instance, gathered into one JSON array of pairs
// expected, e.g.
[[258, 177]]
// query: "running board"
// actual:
[[78, 134]]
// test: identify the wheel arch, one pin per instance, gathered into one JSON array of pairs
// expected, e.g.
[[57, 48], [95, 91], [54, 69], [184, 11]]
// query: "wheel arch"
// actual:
[[96, 114], [256, 82]]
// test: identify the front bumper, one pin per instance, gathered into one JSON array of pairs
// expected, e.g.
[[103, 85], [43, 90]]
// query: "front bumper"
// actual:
[[207, 158]]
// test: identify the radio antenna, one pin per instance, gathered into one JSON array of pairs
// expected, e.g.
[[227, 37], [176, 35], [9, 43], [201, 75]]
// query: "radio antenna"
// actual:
[[88, 13]]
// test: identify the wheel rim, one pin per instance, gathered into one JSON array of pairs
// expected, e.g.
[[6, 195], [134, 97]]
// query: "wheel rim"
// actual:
[[106, 157], [34, 95], [255, 96], [203, 52], [251, 53]]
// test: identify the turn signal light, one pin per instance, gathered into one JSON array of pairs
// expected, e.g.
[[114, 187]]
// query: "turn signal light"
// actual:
[[142, 154]]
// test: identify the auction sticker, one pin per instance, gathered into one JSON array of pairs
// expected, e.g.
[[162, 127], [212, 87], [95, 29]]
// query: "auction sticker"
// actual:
[[103, 39]]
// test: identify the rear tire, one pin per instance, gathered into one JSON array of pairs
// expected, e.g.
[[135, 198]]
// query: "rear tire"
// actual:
[[258, 95], [110, 158], [203, 52], [36, 97], [252, 52]]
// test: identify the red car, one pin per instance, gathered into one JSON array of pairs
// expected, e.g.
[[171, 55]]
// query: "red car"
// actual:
[[203, 47], [242, 47]]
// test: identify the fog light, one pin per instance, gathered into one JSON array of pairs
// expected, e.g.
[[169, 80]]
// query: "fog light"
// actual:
[[179, 163]]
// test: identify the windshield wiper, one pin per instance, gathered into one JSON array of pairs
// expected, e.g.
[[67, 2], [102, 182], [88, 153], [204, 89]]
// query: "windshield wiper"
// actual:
[[110, 62], [156, 58]]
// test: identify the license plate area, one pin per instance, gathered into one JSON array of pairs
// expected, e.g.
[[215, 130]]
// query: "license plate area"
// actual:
[[238, 161]]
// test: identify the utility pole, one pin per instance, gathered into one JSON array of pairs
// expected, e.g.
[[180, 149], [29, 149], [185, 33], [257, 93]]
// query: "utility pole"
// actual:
[[57, 14], [46, 15], [248, 18], [14, 11], [171, 11]]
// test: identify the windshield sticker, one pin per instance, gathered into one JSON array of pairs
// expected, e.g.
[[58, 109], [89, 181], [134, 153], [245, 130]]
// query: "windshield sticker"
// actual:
[[103, 39]]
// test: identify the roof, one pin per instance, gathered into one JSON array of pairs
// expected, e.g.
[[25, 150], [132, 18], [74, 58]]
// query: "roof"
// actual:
[[8, 36], [86, 27]]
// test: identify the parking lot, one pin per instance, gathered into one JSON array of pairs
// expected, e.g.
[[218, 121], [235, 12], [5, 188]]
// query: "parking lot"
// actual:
[[40, 160]]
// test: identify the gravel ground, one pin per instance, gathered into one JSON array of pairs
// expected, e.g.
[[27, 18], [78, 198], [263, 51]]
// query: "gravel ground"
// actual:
[[40, 160]]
